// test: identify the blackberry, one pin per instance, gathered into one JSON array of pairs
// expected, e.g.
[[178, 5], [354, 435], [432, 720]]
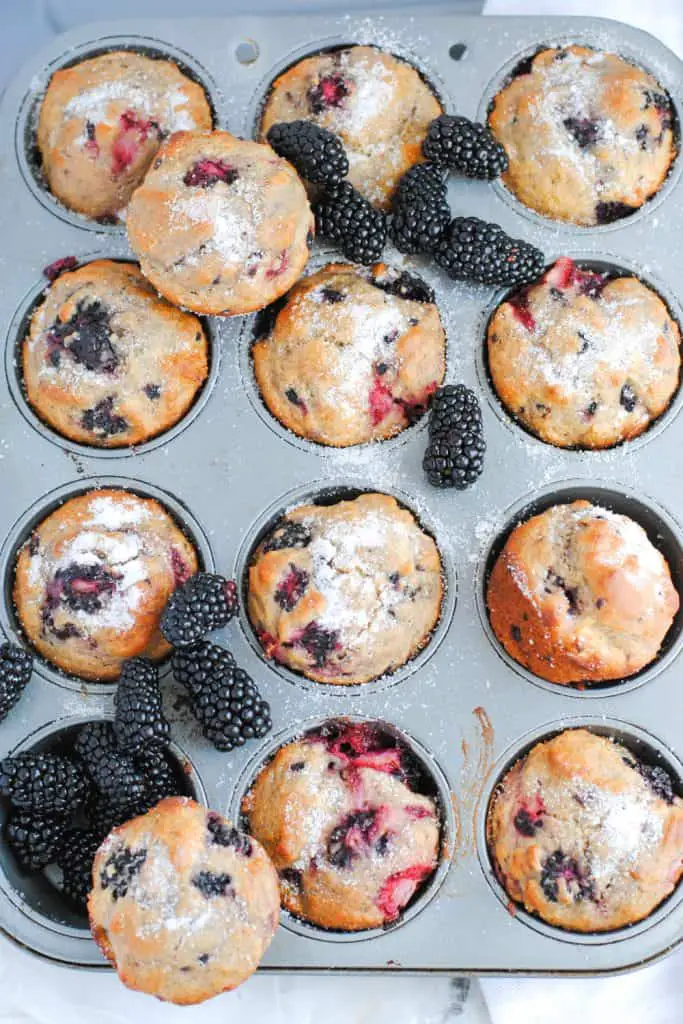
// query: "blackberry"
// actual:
[[34, 841], [16, 666], [465, 146], [421, 211], [345, 217], [212, 885], [230, 709], [193, 666], [205, 602], [76, 858], [455, 453], [114, 774], [222, 833], [423, 181], [160, 780], [474, 250], [318, 155], [43, 783], [102, 815], [288, 534], [139, 721], [120, 868]]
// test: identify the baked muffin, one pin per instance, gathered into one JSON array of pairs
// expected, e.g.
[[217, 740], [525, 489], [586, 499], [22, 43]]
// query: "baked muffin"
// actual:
[[101, 123], [344, 593], [183, 905], [580, 595], [377, 104], [343, 816], [589, 136], [220, 225], [94, 577], [585, 835], [107, 362], [353, 355], [583, 359]]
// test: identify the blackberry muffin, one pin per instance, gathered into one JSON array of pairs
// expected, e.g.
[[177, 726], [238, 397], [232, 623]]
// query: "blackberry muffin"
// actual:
[[220, 225], [580, 595], [107, 362], [94, 577], [584, 835], [183, 905], [353, 356], [341, 815], [344, 593], [583, 359], [377, 104], [101, 123], [589, 136]]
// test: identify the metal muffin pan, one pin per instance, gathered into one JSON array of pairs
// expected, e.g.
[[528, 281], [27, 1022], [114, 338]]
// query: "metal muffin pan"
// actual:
[[228, 468]]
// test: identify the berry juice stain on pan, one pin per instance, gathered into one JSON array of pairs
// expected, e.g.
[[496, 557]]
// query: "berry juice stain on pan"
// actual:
[[231, 470]]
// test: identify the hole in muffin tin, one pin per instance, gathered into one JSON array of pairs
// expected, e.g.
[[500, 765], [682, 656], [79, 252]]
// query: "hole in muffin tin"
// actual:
[[646, 748], [434, 784], [324, 493], [26, 145], [517, 65], [457, 51], [256, 325], [615, 268], [42, 908], [663, 532], [18, 330], [254, 114], [43, 507], [247, 52]]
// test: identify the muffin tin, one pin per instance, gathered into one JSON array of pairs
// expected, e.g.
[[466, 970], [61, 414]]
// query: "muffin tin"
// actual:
[[228, 468]]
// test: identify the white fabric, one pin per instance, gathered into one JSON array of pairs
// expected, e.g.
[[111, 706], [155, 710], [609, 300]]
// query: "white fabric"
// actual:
[[653, 995]]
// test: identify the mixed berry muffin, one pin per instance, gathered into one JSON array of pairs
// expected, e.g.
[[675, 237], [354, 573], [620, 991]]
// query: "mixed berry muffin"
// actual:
[[342, 814], [182, 904], [344, 593], [220, 225], [107, 362], [579, 595], [585, 835], [377, 104], [584, 359], [353, 355], [101, 123], [94, 577], [589, 136]]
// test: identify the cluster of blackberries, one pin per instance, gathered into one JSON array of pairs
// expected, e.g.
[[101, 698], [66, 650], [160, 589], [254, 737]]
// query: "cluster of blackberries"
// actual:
[[465, 247], [16, 666], [222, 697], [63, 804]]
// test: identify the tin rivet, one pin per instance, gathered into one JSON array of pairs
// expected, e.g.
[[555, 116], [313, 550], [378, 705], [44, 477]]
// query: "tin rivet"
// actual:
[[247, 52]]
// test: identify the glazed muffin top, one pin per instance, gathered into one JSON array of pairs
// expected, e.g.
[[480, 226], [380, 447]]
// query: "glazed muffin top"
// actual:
[[220, 225], [579, 594], [583, 358], [353, 355], [589, 136], [102, 121], [585, 835], [376, 103], [107, 362]]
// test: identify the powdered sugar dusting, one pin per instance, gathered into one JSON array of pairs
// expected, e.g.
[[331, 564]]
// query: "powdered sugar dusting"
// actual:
[[104, 103], [622, 826]]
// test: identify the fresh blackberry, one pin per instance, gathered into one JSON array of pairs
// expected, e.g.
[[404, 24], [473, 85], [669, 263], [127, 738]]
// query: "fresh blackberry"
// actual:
[[474, 250], [34, 841], [102, 815], [345, 217], [139, 720], [422, 181], [193, 666], [418, 226], [16, 666], [43, 783], [76, 858], [230, 709], [465, 146], [114, 774], [205, 602], [318, 155], [160, 780], [455, 453]]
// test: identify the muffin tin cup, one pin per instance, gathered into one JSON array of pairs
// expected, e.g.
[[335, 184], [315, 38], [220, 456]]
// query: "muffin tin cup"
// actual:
[[228, 469], [648, 749], [442, 796]]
